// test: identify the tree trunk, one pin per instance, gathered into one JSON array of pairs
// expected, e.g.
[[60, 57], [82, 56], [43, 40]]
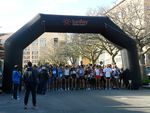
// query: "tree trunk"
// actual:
[[113, 59], [92, 61], [142, 66], [73, 61]]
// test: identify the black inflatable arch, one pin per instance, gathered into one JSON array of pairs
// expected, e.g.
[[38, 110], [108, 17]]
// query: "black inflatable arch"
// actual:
[[15, 44]]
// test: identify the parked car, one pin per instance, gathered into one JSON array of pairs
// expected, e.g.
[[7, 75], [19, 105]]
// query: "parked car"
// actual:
[[148, 71]]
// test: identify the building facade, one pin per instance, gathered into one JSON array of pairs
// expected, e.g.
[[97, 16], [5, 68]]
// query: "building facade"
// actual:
[[47, 42], [35, 50]]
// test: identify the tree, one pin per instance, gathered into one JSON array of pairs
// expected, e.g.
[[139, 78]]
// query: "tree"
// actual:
[[132, 18], [106, 45], [90, 48], [80, 45], [110, 48], [71, 52], [51, 54], [67, 51]]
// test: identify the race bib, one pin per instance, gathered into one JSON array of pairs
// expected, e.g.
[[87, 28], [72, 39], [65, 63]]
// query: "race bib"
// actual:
[[54, 72]]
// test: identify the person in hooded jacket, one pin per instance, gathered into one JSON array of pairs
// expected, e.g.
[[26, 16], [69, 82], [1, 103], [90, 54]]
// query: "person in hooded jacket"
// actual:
[[16, 76], [30, 81]]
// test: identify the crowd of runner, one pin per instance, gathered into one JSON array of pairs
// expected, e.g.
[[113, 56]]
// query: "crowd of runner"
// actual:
[[65, 78], [89, 77]]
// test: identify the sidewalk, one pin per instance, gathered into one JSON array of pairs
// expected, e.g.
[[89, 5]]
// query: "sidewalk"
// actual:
[[102, 101]]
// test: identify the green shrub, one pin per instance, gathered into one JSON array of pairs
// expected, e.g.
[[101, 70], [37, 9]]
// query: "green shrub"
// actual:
[[146, 81]]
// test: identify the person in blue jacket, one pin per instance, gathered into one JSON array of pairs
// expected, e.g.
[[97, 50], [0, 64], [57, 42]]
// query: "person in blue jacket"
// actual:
[[16, 76]]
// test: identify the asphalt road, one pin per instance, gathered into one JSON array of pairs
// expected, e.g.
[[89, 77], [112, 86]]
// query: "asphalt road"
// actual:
[[98, 101]]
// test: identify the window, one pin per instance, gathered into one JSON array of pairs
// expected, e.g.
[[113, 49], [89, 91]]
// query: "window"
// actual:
[[34, 61], [34, 48], [34, 52], [42, 43], [35, 43], [34, 57], [55, 41], [26, 61], [27, 52], [26, 57]]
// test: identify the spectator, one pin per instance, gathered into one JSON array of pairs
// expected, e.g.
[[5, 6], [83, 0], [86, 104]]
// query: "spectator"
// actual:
[[30, 80], [16, 76]]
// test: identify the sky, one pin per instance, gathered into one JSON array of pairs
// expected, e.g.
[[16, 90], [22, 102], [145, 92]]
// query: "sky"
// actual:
[[16, 13]]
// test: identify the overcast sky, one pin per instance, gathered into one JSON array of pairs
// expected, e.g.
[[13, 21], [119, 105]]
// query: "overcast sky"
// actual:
[[15, 13]]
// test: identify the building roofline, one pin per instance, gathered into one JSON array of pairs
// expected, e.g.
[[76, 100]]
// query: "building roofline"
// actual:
[[2, 34], [115, 6]]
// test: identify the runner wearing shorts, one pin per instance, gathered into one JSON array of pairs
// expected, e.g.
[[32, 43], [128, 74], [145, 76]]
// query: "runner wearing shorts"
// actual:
[[67, 77], [97, 77]]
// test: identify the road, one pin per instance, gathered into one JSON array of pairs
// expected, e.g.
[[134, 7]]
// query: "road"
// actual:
[[96, 101]]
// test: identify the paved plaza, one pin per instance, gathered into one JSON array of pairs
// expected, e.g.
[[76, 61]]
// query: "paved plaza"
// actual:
[[96, 101]]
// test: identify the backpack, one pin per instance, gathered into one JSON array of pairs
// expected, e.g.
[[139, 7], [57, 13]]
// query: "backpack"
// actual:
[[29, 76], [117, 72], [44, 75]]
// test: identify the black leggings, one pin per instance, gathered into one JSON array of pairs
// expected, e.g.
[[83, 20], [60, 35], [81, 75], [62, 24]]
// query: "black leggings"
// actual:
[[15, 90], [31, 89]]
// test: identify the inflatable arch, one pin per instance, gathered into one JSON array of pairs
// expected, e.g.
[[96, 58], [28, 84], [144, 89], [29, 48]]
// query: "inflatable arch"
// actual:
[[17, 42]]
